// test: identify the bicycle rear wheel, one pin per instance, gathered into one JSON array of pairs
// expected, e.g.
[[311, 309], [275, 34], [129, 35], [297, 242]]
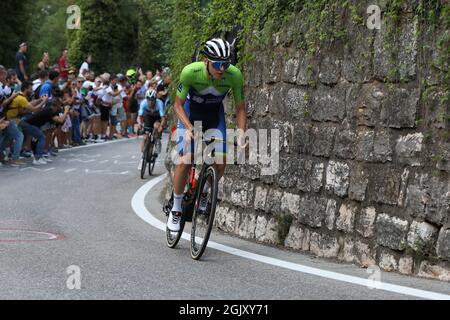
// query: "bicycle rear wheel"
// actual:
[[202, 221]]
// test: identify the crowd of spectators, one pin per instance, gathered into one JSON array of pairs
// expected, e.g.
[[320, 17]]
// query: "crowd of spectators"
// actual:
[[59, 106]]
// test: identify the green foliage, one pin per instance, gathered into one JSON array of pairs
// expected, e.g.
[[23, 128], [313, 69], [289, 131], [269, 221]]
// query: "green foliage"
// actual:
[[108, 32], [154, 37], [187, 21], [13, 19], [46, 30], [283, 225]]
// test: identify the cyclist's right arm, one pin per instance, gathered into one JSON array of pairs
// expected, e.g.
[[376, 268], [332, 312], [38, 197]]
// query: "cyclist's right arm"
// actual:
[[140, 118], [182, 93], [181, 114]]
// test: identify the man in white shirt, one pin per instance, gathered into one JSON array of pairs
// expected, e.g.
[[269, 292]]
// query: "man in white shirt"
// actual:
[[113, 97], [85, 66]]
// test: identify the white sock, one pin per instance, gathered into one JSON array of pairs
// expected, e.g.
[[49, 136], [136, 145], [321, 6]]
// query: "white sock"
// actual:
[[177, 200], [206, 187]]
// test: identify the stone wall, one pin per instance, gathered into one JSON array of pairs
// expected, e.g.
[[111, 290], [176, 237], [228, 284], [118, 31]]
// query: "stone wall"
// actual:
[[365, 156]]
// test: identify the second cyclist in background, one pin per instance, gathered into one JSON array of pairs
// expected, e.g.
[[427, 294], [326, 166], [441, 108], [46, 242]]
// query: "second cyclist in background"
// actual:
[[151, 116]]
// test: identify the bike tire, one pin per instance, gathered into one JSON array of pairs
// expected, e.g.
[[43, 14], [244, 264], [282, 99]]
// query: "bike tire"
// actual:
[[173, 238], [152, 160], [144, 162], [198, 249]]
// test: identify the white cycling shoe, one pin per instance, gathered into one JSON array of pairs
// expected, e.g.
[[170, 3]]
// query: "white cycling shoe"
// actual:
[[173, 223]]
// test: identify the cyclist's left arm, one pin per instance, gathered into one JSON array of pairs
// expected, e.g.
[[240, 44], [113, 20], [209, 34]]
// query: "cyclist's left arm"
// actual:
[[162, 113], [239, 100]]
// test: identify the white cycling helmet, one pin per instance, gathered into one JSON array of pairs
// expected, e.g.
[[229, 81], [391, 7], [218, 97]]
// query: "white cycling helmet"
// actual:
[[217, 49], [150, 95]]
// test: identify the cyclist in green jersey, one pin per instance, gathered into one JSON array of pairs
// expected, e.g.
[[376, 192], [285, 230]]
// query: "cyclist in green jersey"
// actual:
[[202, 89]]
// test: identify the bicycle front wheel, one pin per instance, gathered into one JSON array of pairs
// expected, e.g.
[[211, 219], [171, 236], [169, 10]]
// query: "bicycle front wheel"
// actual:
[[203, 218], [144, 161], [172, 237], [152, 159]]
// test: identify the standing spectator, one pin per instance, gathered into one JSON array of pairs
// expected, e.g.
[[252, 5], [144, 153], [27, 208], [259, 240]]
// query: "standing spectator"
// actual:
[[121, 111], [149, 77], [44, 65], [114, 94], [104, 102], [64, 67], [163, 89], [76, 110], [21, 62], [136, 95], [85, 66]]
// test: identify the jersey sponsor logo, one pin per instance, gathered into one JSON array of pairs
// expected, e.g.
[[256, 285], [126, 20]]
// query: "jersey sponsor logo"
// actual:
[[198, 99], [180, 87]]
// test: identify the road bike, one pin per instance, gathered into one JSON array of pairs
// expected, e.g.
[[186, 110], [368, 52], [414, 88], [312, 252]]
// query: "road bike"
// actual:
[[202, 220], [149, 156]]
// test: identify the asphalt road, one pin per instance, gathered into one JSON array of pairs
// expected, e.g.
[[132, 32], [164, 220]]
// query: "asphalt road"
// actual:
[[75, 215]]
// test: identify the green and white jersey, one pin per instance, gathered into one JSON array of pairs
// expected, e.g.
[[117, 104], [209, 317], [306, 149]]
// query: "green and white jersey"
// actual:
[[197, 86]]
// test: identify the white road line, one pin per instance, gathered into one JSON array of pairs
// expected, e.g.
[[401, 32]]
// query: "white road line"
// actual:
[[130, 162], [104, 161], [118, 173], [84, 155], [70, 170], [96, 145], [138, 205], [36, 169], [88, 171], [82, 161]]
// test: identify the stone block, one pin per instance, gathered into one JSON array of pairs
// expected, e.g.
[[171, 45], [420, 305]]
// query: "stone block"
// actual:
[[328, 104], [391, 232], [322, 139], [443, 244], [409, 149], [312, 211], [346, 219], [386, 186], [399, 108], [365, 224], [422, 236], [338, 178], [359, 179], [323, 245]]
